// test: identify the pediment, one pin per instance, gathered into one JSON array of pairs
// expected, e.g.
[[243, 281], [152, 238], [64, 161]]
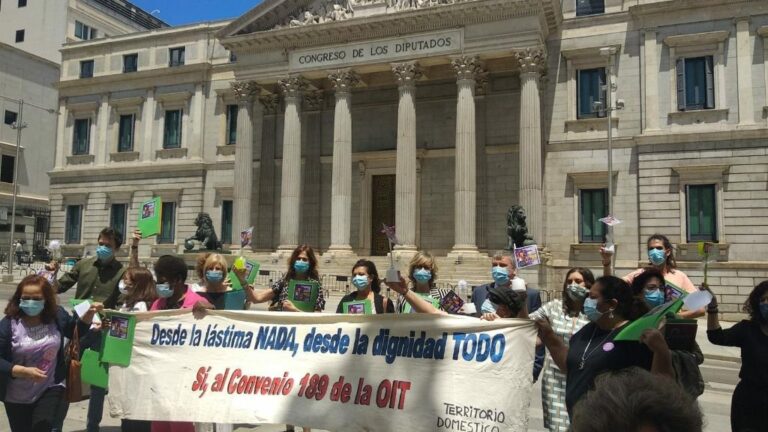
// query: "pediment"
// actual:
[[281, 14]]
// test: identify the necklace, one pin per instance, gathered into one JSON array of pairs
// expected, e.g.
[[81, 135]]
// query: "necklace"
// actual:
[[585, 355]]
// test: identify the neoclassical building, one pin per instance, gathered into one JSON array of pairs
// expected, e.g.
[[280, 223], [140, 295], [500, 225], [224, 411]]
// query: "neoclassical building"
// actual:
[[318, 121]]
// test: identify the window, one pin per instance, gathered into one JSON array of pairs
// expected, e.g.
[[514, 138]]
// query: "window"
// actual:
[[591, 89], [168, 224], [7, 165], [22, 3], [19, 36], [702, 216], [177, 56], [589, 7], [226, 222], [81, 138], [231, 124], [10, 117], [695, 83], [593, 204], [172, 132], [84, 32], [117, 217], [125, 133], [130, 63], [72, 224], [86, 69]]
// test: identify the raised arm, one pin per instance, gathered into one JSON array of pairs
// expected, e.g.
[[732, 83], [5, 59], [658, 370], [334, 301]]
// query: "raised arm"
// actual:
[[607, 261], [417, 303], [134, 254]]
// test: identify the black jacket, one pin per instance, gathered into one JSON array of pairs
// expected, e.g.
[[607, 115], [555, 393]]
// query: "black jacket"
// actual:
[[65, 323]]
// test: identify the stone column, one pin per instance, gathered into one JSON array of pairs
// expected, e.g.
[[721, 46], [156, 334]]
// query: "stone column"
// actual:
[[148, 123], [290, 190], [465, 183], [531, 61], [406, 75], [249, 118], [61, 134], [341, 185], [101, 148], [650, 56], [744, 69]]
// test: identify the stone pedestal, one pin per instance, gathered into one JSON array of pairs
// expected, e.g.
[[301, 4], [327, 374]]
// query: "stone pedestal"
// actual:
[[406, 75], [290, 191]]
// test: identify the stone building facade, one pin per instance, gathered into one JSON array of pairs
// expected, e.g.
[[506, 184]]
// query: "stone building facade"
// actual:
[[317, 121]]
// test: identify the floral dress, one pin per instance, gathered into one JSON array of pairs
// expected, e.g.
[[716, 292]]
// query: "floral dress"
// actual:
[[553, 384]]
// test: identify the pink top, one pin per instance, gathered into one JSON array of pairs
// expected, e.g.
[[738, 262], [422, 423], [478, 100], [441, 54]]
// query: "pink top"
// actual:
[[676, 278], [190, 300]]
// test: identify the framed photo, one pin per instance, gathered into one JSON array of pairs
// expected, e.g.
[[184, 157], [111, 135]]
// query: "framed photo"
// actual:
[[303, 294], [361, 307], [527, 256]]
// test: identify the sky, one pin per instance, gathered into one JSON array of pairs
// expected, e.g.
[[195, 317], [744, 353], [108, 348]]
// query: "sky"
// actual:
[[179, 12]]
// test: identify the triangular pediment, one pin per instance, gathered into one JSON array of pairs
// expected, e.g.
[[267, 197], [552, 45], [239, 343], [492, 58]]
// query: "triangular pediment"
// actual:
[[281, 14]]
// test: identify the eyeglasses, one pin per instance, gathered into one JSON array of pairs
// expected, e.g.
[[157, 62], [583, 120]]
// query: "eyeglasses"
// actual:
[[661, 248]]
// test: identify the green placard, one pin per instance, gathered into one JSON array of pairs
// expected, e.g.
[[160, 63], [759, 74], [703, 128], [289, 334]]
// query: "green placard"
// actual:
[[435, 302], [234, 300], [635, 329], [150, 217], [251, 271], [92, 370], [303, 294], [357, 307], [117, 340]]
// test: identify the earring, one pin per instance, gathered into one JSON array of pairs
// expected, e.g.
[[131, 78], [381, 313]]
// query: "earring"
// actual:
[[610, 315]]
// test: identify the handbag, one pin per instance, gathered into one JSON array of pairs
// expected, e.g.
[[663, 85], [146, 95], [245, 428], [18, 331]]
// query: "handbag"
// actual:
[[74, 391]]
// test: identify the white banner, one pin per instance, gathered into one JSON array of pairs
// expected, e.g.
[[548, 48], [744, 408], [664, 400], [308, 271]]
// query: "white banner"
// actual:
[[385, 50], [412, 372]]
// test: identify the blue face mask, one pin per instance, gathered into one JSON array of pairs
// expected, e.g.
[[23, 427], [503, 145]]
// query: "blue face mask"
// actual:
[[576, 292], [654, 298], [422, 275], [214, 276], [32, 307], [657, 257], [164, 290], [104, 253], [590, 310], [360, 282], [488, 307], [500, 275], [301, 266], [764, 310]]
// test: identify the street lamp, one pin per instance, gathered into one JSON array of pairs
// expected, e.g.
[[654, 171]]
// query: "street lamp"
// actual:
[[18, 125]]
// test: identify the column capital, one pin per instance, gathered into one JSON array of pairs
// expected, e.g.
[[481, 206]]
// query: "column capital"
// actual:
[[531, 60], [293, 86], [245, 91], [406, 74], [271, 102], [344, 80], [468, 68]]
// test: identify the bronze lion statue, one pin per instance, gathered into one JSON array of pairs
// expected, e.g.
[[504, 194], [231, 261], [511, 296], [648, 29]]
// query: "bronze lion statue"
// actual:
[[517, 230], [205, 234]]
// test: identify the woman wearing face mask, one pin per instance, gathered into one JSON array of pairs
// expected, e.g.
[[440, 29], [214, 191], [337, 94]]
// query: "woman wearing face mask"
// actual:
[[422, 272], [365, 279], [662, 257], [32, 364], [137, 290], [749, 405], [592, 350], [566, 318], [214, 285], [649, 285], [302, 265]]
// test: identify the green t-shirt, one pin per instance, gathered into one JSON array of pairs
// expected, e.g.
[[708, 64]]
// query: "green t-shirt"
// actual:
[[94, 280]]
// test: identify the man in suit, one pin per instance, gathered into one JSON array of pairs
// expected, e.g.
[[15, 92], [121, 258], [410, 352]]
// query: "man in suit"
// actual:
[[503, 270]]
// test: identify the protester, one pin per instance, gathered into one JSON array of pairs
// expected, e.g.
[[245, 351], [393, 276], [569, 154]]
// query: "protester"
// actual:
[[422, 273], [97, 280], [565, 318], [649, 285], [302, 266], [634, 400], [365, 279], [506, 303], [661, 256], [592, 351], [214, 284], [749, 404], [32, 364], [503, 271], [137, 287]]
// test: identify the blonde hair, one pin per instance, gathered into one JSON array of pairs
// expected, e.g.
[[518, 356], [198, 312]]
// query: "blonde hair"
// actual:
[[422, 259], [212, 260]]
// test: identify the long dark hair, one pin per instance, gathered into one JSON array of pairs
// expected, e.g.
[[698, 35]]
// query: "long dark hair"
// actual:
[[143, 289], [13, 310], [370, 267], [312, 272], [670, 263], [752, 305], [569, 305], [628, 306], [638, 283]]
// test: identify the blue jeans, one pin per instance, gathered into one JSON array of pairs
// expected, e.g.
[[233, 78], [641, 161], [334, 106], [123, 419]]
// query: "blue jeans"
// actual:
[[95, 408]]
